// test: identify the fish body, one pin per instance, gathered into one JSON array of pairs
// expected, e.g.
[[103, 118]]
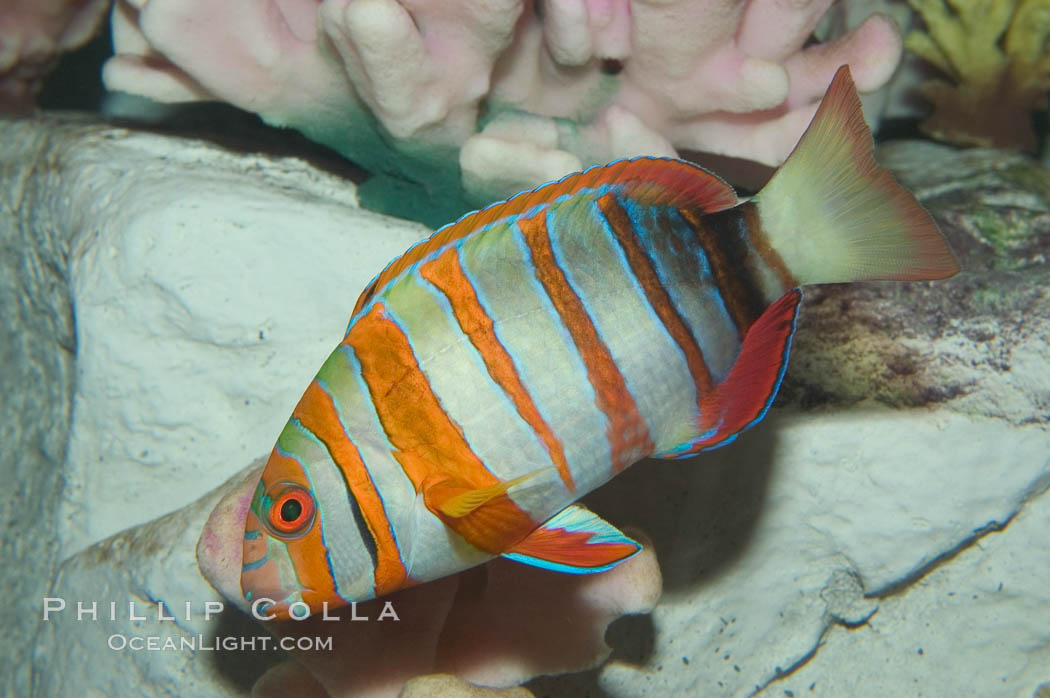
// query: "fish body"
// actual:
[[531, 351]]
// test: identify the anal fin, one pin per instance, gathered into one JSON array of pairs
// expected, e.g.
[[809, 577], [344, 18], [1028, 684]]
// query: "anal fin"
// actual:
[[576, 541], [743, 398]]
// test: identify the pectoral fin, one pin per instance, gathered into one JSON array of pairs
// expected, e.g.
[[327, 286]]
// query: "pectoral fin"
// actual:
[[483, 516], [456, 500], [576, 541]]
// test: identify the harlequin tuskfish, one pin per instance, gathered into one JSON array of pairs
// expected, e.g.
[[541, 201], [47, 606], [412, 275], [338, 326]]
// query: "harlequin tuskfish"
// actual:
[[527, 353]]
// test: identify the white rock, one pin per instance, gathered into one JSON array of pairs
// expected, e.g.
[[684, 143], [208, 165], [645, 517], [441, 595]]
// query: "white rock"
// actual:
[[208, 290], [826, 513], [978, 625], [125, 599]]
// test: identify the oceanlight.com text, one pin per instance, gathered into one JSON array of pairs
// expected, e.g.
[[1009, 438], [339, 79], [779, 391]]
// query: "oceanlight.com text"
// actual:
[[199, 643]]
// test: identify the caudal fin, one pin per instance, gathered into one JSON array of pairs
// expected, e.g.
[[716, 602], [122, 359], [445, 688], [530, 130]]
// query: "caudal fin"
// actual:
[[834, 215]]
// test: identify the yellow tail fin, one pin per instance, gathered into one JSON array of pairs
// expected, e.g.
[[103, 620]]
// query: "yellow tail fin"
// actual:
[[834, 215]]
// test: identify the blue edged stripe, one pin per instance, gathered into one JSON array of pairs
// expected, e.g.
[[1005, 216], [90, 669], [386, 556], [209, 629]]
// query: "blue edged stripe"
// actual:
[[355, 508], [322, 514], [616, 248], [254, 565], [685, 273], [528, 213]]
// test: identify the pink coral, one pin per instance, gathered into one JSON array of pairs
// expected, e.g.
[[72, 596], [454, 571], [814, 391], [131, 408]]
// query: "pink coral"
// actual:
[[496, 625], [32, 35], [526, 91]]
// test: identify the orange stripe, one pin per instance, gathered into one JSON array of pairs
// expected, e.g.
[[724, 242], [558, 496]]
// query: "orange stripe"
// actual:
[[318, 413], [447, 275], [430, 446], [642, 267], [656, 181], [742, 299], [307, 552], [627, 433]]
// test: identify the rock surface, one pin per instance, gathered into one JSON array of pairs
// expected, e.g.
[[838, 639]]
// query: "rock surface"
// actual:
[[976, 625], [914, 422], [153, 567], [36, 382], [209, 287], [908, 456], [81, 207], [812, 523]]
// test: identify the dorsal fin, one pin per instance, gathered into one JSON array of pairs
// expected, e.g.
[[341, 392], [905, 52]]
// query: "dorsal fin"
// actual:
[[648, 180]]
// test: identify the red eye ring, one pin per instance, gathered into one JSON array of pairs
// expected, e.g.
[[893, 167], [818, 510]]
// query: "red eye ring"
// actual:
[[292, 511]]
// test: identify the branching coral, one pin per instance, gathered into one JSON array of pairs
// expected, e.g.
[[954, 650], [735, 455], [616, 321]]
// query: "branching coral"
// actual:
[[501, 94], [997, 55]]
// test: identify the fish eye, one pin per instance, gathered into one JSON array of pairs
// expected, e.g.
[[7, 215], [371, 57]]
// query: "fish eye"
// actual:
[[291, 511]]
